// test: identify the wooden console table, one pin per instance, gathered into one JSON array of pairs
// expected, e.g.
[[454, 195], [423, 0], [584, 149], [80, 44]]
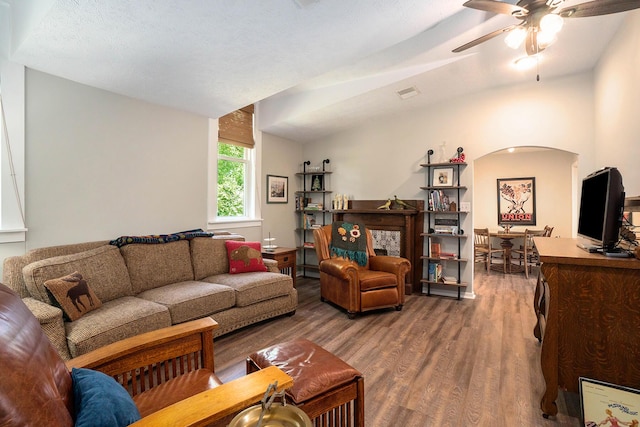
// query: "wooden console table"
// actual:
[[588, 318], [408, 222]]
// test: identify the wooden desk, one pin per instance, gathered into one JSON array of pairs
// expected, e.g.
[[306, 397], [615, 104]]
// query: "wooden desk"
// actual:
[[588, 318], [286, 258], [506, 244]]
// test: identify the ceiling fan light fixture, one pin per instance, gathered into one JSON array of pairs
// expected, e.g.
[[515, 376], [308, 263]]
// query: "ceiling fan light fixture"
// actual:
[[546, 39], [551, 23], [515, 38]]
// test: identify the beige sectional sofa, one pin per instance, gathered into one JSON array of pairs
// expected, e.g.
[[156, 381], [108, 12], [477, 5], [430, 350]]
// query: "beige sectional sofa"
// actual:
[[145, 287]]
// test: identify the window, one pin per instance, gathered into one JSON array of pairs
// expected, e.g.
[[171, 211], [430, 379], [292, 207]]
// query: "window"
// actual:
[[234, 169], [232, 183]]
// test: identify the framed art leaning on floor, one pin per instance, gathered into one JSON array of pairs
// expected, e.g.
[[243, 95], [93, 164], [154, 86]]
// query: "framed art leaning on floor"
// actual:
[[608, 404]]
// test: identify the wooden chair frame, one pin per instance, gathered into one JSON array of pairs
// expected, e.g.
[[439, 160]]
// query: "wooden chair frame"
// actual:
[[145, 361], [527, 252], [483, 251]]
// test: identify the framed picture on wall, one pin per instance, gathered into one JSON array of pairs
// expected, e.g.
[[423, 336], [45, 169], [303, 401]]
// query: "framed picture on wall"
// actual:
[[517, 201], [442, 177], [277, 189]]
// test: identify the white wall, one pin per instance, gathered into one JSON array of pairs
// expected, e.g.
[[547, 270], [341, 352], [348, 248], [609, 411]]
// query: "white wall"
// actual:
[[617, 105], [100, 165], [280, 157]]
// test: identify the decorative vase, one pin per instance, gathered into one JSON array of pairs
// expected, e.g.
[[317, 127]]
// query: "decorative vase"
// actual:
[[443, 152]]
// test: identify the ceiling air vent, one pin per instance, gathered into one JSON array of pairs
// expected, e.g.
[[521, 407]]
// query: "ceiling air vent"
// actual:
[[407, 93]]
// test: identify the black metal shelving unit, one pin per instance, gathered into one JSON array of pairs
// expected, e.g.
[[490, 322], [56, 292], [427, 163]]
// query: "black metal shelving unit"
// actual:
[[304, 231], [432, 212]]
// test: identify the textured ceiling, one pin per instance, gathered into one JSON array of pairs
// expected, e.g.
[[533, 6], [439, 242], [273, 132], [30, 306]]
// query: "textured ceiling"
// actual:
[[318, 66]]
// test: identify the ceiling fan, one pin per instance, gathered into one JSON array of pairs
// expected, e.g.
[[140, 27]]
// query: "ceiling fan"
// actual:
[[540, 19]]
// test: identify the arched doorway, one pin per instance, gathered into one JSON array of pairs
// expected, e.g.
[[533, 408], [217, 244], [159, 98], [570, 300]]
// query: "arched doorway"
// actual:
[[556, 195]]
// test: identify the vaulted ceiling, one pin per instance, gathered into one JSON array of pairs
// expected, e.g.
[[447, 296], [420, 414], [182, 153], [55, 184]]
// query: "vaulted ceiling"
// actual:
[[317, 66]]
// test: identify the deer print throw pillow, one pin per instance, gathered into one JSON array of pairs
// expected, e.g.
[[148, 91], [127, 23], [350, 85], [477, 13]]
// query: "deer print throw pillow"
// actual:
[[73, 295], [244, 256]]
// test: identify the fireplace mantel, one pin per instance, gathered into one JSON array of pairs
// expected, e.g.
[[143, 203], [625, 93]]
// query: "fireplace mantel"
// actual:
[[409, 222]]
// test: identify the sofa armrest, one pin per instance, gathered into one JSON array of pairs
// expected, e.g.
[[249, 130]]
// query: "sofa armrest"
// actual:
[[271, 264], [144, 361], [227, 399], [52, 324], [390, 264], [340, 267]]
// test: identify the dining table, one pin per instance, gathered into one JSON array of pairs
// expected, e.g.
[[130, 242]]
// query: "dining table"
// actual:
[[506, 243]]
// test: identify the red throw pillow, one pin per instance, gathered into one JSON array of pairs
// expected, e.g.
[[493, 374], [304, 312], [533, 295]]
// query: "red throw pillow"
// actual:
[[244, 257]]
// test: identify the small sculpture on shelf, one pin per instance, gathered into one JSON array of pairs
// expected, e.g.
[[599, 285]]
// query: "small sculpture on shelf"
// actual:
[[337, 202], [345, 202], [443, 152], [386, 206], [403, 203]]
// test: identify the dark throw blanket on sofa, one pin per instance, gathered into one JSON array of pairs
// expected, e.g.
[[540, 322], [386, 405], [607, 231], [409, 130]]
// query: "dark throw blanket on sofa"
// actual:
[[349, 240], [160, 238]]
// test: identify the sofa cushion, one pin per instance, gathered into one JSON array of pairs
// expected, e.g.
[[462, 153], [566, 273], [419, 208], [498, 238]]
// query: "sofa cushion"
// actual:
[[254, 287], [191, 300], [103, 267], [151, 266], [73, 295], [244, 257], [115, 320], [209, 256], [100, 401]]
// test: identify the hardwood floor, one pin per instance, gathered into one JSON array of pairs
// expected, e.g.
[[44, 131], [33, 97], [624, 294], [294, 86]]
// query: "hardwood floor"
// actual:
[[438, 362]]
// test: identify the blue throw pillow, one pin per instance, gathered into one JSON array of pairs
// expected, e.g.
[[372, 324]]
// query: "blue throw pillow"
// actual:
[[100, 401]]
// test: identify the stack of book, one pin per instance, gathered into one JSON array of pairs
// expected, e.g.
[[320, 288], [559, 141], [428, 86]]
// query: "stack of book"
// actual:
[[438, 201], [445, 225]]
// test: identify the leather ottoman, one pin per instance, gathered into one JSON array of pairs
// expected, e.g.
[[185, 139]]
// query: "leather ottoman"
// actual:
[[326, 388]]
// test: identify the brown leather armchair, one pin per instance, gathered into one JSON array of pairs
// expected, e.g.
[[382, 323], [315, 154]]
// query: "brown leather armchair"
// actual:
[[169, 373], [356, 288]]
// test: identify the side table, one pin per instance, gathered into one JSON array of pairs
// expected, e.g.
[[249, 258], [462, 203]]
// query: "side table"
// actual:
[[286, 258]]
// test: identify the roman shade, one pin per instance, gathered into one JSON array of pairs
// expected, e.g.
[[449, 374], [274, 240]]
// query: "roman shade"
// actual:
[[237, 127]]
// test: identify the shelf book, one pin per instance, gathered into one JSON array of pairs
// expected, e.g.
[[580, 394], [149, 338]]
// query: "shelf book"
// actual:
[[435, 250], [435, 271]]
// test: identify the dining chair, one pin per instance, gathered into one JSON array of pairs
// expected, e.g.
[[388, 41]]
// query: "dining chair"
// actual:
[[527, 253], [547, 231], [482, 249]]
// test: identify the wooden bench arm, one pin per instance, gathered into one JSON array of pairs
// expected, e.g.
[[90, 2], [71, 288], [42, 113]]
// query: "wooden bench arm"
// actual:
[[188, 344], [227, 399]]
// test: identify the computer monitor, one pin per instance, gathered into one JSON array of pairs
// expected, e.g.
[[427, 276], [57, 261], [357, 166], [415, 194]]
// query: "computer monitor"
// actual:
[[601, 208]]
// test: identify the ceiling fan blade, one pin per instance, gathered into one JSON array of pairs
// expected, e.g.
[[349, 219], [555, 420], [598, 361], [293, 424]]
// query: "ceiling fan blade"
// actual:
[[599, 7], [484, 38], [496, 7]]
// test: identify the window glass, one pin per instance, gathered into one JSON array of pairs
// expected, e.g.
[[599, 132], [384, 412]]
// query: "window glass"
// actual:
[[233, 168]]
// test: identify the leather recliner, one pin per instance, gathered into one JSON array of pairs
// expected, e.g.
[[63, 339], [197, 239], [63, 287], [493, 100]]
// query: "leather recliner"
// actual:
[[378, 284]]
